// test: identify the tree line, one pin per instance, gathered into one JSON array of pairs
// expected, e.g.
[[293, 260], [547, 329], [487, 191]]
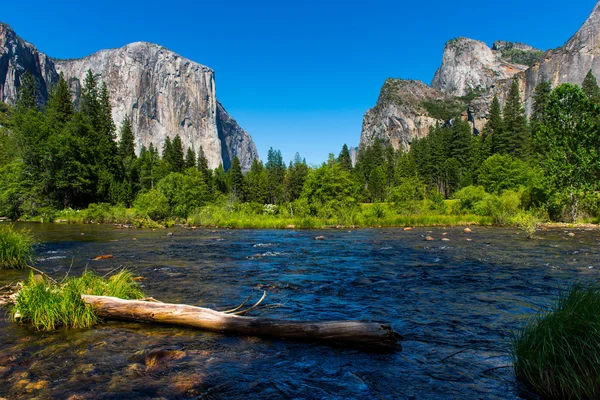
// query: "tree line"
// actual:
[[64, 155]]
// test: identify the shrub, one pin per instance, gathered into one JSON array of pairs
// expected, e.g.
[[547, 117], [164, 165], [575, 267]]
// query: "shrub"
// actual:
[[557, 354], [153, 203], [527, 223], [48, 305], [16, 247], [503, 207], [470, 197]]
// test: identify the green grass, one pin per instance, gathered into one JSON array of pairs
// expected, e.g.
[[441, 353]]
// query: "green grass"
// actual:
[[16, 247], [48, 305], [557, 354]]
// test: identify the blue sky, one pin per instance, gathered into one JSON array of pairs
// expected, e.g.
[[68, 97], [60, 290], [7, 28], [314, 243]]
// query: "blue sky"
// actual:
[[298, 76]]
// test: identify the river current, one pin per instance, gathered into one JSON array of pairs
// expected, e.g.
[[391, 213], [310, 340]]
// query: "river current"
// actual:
[[455, 302]]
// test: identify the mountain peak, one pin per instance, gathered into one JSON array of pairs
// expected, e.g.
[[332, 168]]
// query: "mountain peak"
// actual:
[[587, 38]]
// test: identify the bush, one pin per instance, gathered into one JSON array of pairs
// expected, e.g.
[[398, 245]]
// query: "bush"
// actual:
[[527, 223], [48, 305], [153, 203], [557, 354], [503, 207], [16, 247], [470, 197]]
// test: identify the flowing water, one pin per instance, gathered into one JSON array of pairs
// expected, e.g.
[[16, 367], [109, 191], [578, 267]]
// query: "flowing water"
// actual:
[[456, 303]]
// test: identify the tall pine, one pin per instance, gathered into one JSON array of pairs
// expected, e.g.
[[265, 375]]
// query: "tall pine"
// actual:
[[516, 132], [591, 89]]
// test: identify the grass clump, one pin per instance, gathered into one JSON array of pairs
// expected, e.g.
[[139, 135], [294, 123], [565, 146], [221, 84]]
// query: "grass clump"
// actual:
[[16, 247], [48, 305], [557, 354]]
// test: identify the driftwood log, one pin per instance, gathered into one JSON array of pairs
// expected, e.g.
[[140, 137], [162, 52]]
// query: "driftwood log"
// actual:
[[370, 335]]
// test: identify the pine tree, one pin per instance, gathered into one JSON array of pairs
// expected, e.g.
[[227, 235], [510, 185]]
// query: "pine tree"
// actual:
[[190, 158], [276, 174], [541, 99], [257, 183], [344, 158], [591, 89], [495, 128], [235, 178], [126, 141], [177, 160], [296, 176], [220, 180], [515, 124], [59, 108], [28, 93], [204, 170], [88, 102]]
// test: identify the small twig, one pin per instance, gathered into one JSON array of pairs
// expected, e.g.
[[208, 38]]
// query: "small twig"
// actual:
[[251, 308], [238, 307], [43, 274], [69, 271], [111, 271]]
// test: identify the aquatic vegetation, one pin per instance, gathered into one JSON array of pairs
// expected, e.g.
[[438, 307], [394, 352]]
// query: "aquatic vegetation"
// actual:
[[557, 353], [16, 247], [47, 305], [527, 223]]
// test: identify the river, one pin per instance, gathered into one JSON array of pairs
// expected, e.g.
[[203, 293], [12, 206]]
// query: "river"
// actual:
[[456, 303]]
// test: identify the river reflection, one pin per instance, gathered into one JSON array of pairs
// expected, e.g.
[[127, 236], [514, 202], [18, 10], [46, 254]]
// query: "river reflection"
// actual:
[[455, 302]]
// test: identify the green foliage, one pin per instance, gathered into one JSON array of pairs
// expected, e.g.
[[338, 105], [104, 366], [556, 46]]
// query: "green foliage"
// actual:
[[444, 109], [557, 353], [153, 203], [568, 140], [344, 158], [527, 223], [501, 172], [16, 247], [502, 208], [48, 305], [126, 140], [235, 177], [184, 192], [470, 198], [590, 88], [522, 57]]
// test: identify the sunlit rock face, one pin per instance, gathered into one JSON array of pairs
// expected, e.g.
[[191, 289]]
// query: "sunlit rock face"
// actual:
[[16, 57], [162, 94]]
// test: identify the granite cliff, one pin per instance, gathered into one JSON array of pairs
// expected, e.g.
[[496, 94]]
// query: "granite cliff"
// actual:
[[470, 76], [162, 93]]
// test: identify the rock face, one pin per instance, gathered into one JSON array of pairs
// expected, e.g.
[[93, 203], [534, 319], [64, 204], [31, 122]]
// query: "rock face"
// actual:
[[234, 141], [571, 62], [16, 57], [472, 74], [400, 114], [471, 66], [162, 94]]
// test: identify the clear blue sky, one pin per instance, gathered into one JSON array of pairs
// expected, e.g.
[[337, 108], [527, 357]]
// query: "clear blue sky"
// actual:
[[298, 76]]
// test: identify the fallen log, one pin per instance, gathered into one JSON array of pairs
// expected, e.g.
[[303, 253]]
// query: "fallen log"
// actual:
[[370, 335]]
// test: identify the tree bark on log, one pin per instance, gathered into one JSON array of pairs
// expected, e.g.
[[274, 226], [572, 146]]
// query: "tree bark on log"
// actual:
[[370, 335]]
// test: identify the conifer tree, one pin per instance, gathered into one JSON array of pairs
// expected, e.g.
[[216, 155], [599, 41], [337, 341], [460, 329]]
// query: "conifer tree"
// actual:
[[495, 128], [28, 93], [219, 180], [190, 158], [515, 124], [591, 89], [276, 174], [88, 102], [257, 182], [177, 160], [126, 141], [296, 176], [59, 108], [235, 177], [344, 158]]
